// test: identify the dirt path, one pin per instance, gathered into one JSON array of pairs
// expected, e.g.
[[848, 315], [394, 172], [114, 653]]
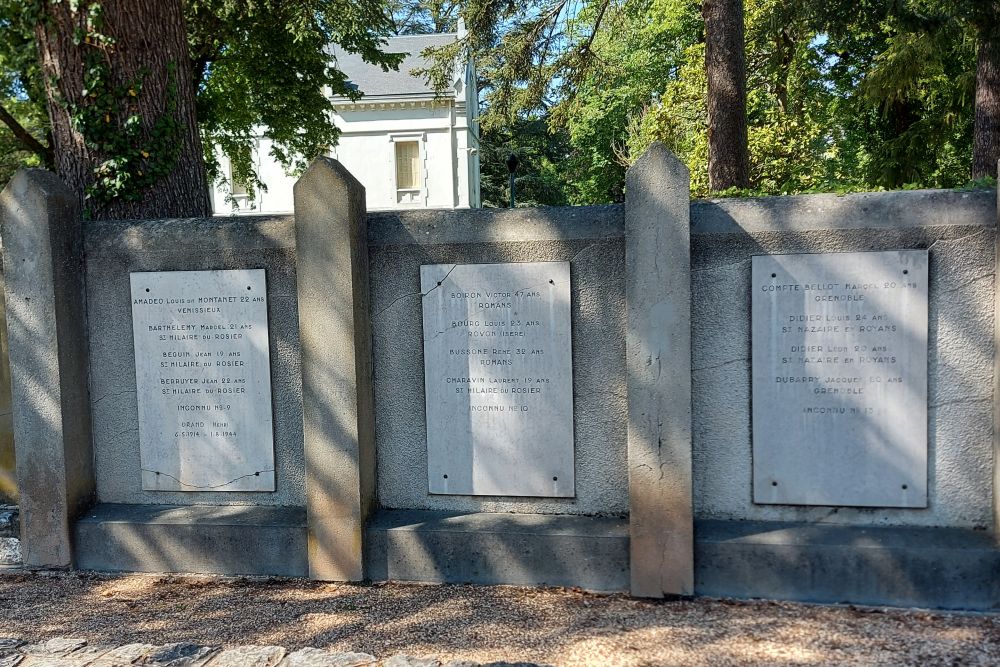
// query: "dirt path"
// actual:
[[482, 623]]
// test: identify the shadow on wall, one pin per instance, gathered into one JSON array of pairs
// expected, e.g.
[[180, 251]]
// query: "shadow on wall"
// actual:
[[8, 480]]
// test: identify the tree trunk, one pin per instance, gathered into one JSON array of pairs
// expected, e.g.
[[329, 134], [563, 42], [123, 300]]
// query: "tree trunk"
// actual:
[[986, 135], [728, 158], [147, 44]]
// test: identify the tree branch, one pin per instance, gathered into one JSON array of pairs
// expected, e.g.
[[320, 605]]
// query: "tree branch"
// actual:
[[25, 137]]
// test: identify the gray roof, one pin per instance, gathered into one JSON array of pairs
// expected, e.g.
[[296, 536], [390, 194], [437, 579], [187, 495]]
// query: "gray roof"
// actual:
[[372, 81]]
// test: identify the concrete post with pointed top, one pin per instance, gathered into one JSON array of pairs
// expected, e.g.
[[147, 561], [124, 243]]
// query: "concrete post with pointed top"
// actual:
[[658, 366], [47, 343], [337, 397]]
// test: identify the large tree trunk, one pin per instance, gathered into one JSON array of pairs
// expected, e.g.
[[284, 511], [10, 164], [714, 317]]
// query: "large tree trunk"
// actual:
[[149, 44], [986, 141], [728, 158]]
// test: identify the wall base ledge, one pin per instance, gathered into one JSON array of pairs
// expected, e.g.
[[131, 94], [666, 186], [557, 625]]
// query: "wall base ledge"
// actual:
[[946, 568], [208, 539], [494, 548]]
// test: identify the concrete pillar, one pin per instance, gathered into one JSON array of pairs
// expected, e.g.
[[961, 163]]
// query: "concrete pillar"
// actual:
[[47, 339], [658, 365], [331, 236], [996, 368]]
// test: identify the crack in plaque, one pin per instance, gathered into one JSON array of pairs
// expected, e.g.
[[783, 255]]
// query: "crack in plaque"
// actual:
[[420, 294], [206, 488]]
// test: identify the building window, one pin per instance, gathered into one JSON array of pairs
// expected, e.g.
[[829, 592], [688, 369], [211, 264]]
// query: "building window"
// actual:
[[407, 165], [236, 188]]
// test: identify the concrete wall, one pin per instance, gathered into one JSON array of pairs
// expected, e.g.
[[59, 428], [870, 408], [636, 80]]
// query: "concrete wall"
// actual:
[[590, 238], [113, 250], [8, 481], [959, 228]]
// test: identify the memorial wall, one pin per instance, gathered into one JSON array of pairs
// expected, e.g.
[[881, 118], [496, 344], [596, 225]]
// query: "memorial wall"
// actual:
[[215, 417], [516, 419], [806, 409], [529, 319]]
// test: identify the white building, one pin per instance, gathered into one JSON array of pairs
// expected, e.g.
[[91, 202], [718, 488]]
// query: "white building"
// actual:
[[409, 147]]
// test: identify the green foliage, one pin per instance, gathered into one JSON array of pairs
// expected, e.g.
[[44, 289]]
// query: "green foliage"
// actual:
[[261, 68], [843, 95], [539, 179], [264, 68]]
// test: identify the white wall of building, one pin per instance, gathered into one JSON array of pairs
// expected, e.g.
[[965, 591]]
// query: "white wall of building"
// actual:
[[448, 157]]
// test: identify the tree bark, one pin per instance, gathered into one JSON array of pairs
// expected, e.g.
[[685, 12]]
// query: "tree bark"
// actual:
[[725, 68], [149, 39], [986, 135]]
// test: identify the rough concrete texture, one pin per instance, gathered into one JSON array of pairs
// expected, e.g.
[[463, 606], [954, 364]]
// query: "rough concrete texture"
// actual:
[[335, 332], [46, 323], [400, 244], [522, 549], [873, 211], [960, 342], [658, 359], [495, 225], [8, 481], [887, 565], [996, 374], [228, 539], [114, 249]]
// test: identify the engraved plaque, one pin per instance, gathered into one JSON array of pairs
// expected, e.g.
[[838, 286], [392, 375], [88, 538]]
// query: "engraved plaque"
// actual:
[[498, 378], [840, 379], [203, 377]]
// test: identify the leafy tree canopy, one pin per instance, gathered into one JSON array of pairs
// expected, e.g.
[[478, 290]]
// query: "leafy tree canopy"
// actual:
[[260, 67]]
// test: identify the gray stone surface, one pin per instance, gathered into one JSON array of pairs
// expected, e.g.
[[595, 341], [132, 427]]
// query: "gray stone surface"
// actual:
[[335, 333], [899, 566], [658, 359], [114, 249], [996, 374], [876, 211], [401, 660], [496, 225], [597, 304], [55, 647], [10, 551], [498, 378], [10, 521], [203, 377], [960, 369], [314, 657], [178, 655], [840, 378], [490, 548], [249, 656], [195, 538], [123, 655], [46, 323]]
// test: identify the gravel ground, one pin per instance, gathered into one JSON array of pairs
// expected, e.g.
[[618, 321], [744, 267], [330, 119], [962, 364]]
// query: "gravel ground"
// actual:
[[483, 623]]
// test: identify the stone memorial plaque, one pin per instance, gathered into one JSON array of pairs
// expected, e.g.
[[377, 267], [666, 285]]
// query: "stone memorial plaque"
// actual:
[[499, 379], [203, 378], [840, 379]]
